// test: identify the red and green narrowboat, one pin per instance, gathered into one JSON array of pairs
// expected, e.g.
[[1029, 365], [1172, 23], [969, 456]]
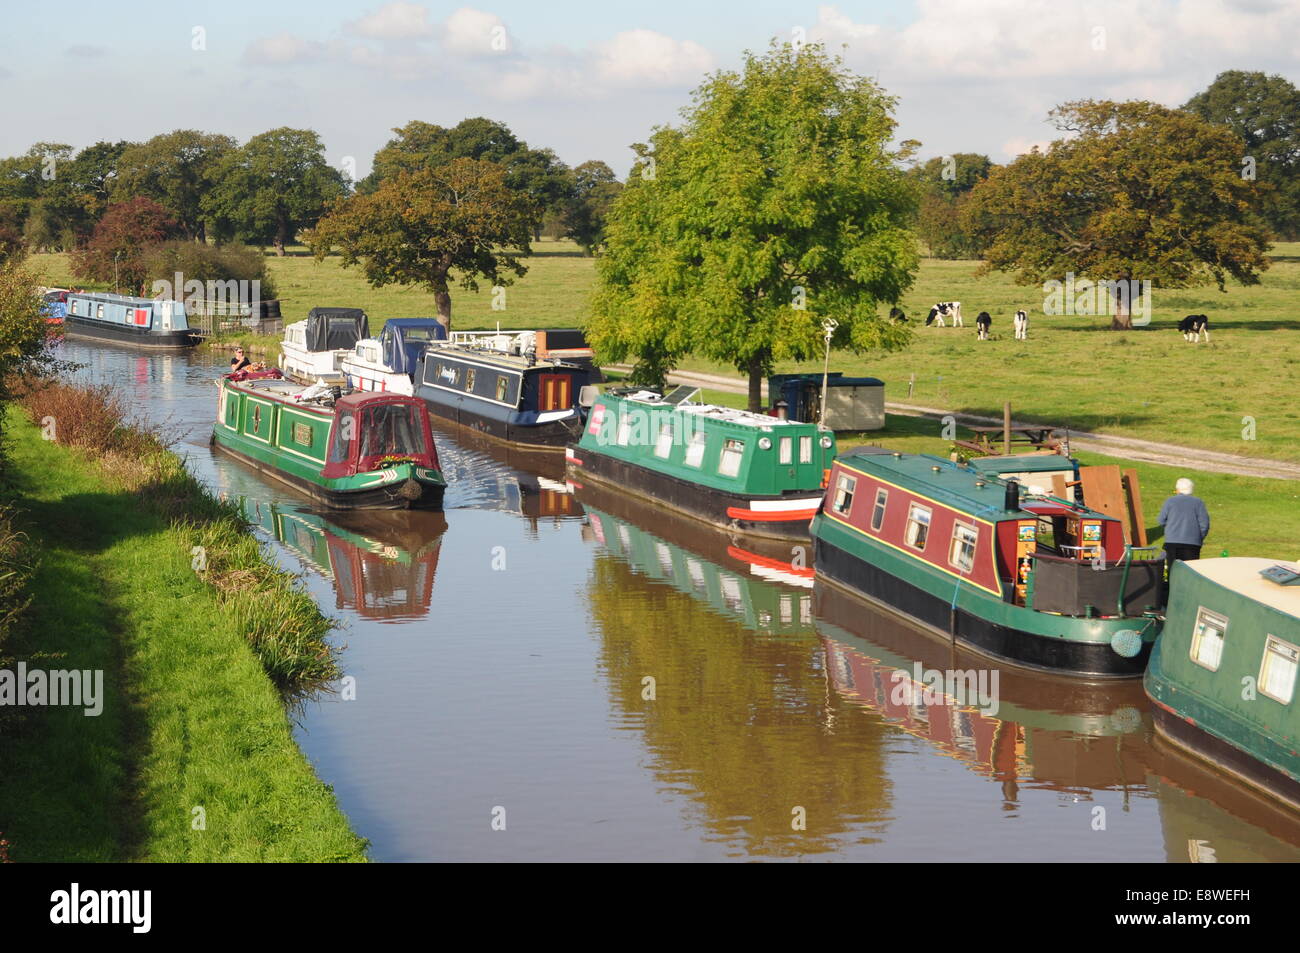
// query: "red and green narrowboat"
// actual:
[[740, 471], [350, 451], [1028, 580], [1223, 675]]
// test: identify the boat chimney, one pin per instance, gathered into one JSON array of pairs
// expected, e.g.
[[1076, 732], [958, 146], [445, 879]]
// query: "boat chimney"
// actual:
[[1013, 495]]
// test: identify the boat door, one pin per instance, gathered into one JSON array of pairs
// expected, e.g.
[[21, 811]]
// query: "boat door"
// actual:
[[165, 312]]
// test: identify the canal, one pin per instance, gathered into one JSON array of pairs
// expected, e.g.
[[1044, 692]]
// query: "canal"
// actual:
[[607, 682]]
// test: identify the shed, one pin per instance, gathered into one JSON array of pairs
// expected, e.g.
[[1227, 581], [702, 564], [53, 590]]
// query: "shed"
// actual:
[[852, 403]]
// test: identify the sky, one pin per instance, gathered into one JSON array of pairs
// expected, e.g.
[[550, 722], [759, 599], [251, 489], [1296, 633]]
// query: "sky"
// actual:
[[588, 79]]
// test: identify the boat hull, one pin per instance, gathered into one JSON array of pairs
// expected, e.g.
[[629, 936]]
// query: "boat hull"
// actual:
[[733, 512], [74, 326], [1184, 734], [388, 496], [501, 423], [975, 630]]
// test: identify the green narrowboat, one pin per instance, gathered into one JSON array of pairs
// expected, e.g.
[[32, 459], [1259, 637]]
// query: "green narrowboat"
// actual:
[[1027, 579], [1223, 675], [349, 451], [744, 472]]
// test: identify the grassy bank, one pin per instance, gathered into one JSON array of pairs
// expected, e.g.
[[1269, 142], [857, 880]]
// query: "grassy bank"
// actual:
[[192, 758]]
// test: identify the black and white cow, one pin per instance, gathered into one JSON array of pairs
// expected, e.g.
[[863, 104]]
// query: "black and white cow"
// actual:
[[945, 309], [982, 322], [1193, 326], [897, 316], [1021, 324]]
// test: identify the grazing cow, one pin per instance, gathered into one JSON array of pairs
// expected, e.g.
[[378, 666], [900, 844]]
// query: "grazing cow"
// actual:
[[1193, 326], [1021, 323], [982, 322], [897, 316], [945, 309]]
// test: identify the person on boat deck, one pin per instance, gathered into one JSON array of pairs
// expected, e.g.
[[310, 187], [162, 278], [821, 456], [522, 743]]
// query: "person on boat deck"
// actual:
[[1186, 522], [239, 362]]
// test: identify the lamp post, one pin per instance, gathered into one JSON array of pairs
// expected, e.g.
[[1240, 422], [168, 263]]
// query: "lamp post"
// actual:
[[828, 328]]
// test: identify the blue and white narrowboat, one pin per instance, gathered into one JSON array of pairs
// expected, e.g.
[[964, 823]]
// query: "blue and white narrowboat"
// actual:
[[388, 363], [142, 322]]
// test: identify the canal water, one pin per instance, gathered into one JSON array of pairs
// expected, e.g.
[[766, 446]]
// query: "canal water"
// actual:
[[609, 682]]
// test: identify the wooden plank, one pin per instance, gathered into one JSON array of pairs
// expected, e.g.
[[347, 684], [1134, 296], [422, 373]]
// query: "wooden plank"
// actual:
[[1059, 489], [1103, 491], [1136, 519]]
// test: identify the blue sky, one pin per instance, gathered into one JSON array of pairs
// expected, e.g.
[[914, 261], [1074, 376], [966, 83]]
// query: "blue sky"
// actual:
[[588, 79]]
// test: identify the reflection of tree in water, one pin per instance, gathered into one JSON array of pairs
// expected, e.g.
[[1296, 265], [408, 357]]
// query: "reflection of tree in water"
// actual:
[[742, 721]]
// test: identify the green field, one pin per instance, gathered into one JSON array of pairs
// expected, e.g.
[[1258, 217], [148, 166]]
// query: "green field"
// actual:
[[1072, 372]]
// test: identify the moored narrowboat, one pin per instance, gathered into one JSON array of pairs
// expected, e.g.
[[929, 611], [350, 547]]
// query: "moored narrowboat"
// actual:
[[1223, 675], [353, 451], [313, 349], [506, 396], [388, 362], [141, 322], [1029, 580], [744, 472]]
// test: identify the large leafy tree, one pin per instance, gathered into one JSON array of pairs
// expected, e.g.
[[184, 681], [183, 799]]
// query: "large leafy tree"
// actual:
[[277, 184], [594, 190], [118, 248], [176, 170], [775, 207], [945, 183], [536, 173], [1135, 192], [27, 181], [432, 227], [1264, 112]]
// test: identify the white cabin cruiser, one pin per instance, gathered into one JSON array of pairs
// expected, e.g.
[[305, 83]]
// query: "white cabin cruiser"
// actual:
[[388, 362], [313, 349]]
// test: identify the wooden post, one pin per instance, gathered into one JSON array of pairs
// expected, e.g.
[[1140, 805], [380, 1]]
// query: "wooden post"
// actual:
[[1006, 429], [910, 384]]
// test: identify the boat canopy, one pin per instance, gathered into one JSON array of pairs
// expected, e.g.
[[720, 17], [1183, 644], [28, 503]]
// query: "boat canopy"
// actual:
[[404, 340], [335, 329]]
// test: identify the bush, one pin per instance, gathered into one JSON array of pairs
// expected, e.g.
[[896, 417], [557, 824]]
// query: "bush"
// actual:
[[13, 247], [93, 418], [17, 563], [200, 262]]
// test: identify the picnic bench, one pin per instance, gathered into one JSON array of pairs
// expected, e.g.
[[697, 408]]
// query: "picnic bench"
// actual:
[[989, 440]]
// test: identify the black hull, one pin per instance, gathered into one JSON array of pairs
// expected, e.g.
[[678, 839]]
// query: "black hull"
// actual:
[[122, 334], [1202, 745], [700, 502], [381, 498], [991, 639], [553, 435]]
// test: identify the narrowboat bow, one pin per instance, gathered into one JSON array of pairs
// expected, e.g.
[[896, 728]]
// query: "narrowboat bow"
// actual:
[[352, 451]]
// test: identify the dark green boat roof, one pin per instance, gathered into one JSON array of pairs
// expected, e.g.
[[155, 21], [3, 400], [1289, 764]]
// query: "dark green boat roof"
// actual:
[[961, 487]]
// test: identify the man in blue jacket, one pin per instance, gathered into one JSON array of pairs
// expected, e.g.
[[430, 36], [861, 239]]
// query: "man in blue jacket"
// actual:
[[1186, 522]]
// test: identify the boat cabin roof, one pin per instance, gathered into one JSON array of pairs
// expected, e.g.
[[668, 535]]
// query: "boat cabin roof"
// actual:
[[961, 487], [285, 389], [680, 399], [1241, 574]]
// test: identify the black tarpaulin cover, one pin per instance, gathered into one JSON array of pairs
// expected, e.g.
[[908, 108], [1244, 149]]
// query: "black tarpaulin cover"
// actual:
[[333, 329]]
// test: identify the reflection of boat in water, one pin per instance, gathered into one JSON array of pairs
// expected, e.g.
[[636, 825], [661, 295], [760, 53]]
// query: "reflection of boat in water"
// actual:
[[1021, 726], [382, 563]]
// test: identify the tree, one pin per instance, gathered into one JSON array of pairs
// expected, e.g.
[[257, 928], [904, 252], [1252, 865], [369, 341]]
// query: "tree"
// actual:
[[277, 184], [1136, 192], [25, 180], [945, 183], [121, 241], [13, 248], [537, 173], [1264, 112], [176, 170], [430, 227], [25, 341], [777, 206], [594, 191]]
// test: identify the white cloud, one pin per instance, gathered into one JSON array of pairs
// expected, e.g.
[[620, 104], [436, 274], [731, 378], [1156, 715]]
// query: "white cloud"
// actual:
[[281, 50], [394, 21], [1019, 145], [474, 33], [647, 58]]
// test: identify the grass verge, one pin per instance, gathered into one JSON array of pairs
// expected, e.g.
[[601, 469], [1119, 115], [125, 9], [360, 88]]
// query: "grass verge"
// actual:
[[192, 757]]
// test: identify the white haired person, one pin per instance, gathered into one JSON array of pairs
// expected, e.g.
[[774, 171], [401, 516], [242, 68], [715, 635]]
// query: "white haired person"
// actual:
[[1186, 522]]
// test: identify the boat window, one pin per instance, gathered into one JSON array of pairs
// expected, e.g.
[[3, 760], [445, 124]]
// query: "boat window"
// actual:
[[469, 379], [918, 526], [805, 449], [392, 430], [878, 511], [962, 554], [341, 439], [729, 460], [624, 427], [99, 310], [787, 450], [503, 384], [664, 445], [695, 449], [1207, 638], [1278, 671], [844, 489]]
